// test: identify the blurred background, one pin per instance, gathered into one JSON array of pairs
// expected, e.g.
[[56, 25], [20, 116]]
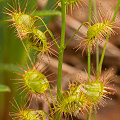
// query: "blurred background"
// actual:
[[12, 52]]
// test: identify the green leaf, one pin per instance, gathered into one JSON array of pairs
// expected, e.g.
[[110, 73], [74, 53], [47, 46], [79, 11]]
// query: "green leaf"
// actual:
[[47, 13], [4, 88], [10, 67]]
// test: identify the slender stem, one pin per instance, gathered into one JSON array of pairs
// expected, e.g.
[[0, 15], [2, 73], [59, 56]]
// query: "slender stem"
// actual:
[[97, 45], [75, 33], [89, 17], [103, 53], [48, 116], [89, 63], [26, 51], [49, 32], [97, 52], [97, 56], [116, 10], [89, 20], [95, 10], [49, 105], [89, 114], [61, 51], [51, 96], [102, 57]]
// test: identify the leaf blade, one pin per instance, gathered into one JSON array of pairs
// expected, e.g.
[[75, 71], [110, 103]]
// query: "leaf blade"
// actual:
[[4, 88]]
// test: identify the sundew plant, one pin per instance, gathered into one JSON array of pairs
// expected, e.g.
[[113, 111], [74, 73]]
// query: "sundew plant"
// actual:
[[32, 80]]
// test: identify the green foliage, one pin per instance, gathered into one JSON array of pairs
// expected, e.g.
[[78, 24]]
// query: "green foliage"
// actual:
[[47, 13], [4, 88], [9, 67]]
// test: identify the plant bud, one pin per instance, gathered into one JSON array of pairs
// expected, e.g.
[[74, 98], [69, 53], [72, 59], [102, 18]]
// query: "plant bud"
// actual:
[[31, 114], [38, 40], [35, 81]]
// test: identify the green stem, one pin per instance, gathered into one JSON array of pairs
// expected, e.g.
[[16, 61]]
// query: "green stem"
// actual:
[[89, 63], [49, 32], [26, 50], [89, 114], [97, 45], [61, 51], [75, 33], [89, 16], [48, 116], [116, 10], [103, 53], [97, 52], [89, 20], [49, 106], [51, 96], [97, 56], [95, 10]]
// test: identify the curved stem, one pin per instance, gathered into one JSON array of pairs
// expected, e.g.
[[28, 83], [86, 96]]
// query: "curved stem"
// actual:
[[102, 57], [103, 53], [58, 47], [76, 33]]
